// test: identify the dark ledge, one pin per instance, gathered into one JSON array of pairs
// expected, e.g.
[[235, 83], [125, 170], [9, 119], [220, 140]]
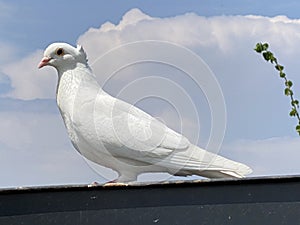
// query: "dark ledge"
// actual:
[[264, 200]]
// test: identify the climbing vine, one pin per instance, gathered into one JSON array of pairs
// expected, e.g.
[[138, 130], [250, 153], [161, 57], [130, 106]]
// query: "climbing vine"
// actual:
[[262, 48]]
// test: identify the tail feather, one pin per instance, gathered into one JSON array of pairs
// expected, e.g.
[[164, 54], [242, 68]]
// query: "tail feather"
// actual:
[[196, 161]]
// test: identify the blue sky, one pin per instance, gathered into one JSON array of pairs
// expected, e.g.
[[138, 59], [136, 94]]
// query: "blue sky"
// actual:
[[35, 149]]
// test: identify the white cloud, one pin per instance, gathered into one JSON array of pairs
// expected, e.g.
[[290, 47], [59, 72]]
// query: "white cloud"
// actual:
[[27, 81], [3, 79], [8, 53], [35, 150], [219, 39], [272, 156], [191, 30], [131, 18]]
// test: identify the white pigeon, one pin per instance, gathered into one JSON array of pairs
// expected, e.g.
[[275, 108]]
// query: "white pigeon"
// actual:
[[117, 135]]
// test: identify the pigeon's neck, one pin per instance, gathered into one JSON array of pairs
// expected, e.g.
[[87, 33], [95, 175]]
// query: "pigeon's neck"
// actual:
[[72, 86], [61, 70]]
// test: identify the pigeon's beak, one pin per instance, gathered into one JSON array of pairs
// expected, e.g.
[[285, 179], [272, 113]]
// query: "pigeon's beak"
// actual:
[[44, 62]]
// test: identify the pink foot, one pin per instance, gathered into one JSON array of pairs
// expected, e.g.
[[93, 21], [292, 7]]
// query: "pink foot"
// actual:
[[114, 183], [94, 184]]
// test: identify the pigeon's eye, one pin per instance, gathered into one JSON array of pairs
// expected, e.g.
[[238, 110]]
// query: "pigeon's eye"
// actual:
[[59, 51]]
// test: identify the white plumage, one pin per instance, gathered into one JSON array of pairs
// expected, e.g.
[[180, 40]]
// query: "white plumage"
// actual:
[[117, 135]]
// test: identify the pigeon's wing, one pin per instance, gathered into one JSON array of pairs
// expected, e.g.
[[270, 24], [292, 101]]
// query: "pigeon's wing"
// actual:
[[139, 133]]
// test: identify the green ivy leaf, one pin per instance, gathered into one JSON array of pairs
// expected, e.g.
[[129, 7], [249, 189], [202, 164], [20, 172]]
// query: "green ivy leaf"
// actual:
[[282, 74], [288, 92], [259, 47], [295, 103], [273, 59], [267, 56], [293, 112], [298, 128], [289, 84], [265, 46], [279, 67]]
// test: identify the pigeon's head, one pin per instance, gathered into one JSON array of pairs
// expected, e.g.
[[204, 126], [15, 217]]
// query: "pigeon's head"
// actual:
[[63, 56]]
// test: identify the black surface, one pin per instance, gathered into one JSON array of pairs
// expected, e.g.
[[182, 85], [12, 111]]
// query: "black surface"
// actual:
[[247, 201]]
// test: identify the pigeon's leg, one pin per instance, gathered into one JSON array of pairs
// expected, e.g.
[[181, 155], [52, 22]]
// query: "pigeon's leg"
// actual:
[[112, 181], [126, 177], [122, 180], [95, 183]]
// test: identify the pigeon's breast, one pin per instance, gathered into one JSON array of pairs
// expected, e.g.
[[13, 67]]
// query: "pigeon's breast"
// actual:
[[85, 113]]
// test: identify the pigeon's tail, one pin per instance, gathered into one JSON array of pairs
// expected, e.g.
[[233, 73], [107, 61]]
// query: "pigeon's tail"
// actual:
[[196, 161]]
